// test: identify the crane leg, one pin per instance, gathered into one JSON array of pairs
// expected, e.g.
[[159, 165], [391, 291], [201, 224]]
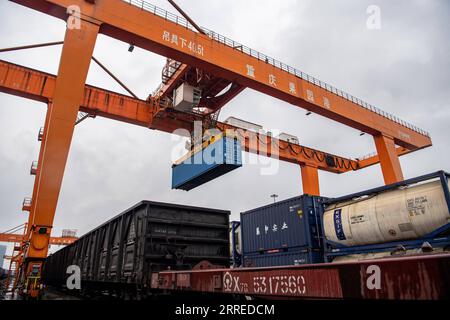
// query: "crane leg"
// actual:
[[389, 161], [310, 180], [29, 225], [69, 89]]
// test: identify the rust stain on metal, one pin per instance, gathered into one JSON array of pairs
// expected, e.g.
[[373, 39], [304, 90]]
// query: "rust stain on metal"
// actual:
[[405, 278]]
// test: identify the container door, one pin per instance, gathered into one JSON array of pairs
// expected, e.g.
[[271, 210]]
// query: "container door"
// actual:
[[115, 251], [103, 252], [129, 249]]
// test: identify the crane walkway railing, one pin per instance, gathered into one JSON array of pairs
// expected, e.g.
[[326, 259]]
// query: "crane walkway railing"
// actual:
[[280, 65]]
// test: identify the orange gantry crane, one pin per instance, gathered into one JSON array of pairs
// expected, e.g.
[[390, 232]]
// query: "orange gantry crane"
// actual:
[[200, 57]]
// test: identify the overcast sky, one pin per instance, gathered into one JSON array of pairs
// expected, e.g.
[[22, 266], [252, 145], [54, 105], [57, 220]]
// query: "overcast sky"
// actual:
[[403, 68]]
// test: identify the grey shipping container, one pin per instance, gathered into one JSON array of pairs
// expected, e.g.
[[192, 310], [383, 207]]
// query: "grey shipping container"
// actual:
[[293, 224], [122, 253]]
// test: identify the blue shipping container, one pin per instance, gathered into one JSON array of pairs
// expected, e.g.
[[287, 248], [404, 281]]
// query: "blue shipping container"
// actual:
[[293, 224], [215, 160], [282, 258]]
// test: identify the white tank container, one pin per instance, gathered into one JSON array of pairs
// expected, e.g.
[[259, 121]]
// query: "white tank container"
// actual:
[[405, 213]]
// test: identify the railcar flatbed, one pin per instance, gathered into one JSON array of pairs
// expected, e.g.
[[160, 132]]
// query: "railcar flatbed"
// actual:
[[422, 277]]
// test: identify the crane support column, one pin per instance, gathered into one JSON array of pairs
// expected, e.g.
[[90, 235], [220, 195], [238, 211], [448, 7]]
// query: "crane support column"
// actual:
[[38, 174], [310, 180], [69, 90], [389, 160]]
